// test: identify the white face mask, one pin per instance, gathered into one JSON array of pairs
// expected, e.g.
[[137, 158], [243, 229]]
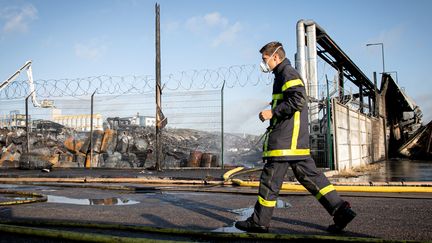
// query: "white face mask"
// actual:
[[264, 65]]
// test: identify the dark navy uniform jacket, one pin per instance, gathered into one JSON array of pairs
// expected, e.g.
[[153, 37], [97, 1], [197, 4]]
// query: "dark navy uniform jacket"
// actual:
[[287, 136]]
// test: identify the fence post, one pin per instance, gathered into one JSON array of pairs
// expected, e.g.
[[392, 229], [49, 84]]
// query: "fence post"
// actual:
[[328, 135], [88, 164], [27, 126], [222, 124]]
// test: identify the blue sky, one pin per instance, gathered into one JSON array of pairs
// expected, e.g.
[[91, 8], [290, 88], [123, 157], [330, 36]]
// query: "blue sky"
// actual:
[[69, 39]]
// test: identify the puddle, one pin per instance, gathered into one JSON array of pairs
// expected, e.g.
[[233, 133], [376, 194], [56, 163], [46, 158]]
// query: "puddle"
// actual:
[[23, 187], [15, 187], [244, 213], [14, 197], [283, 204], [20, 198], [106, 201]]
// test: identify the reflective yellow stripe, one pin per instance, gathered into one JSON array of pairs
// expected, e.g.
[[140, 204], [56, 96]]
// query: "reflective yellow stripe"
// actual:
[[274, 104], [296, 130], [324, 191], [266, 203], [277, 96], [266, 140], [274, 118], [285, 152], [291, 83]]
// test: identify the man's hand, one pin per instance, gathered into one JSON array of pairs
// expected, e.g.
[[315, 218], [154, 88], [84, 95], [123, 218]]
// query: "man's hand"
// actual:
[[265, 115]]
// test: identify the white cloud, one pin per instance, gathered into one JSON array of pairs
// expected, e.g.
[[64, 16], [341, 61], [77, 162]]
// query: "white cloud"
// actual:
[[229, 35], [194, 24], [18, 19], [215, 19], [91, 50], [216, 25], [199, 24]]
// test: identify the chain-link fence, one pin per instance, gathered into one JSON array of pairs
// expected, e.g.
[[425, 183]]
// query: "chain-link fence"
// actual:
[[123, 111]]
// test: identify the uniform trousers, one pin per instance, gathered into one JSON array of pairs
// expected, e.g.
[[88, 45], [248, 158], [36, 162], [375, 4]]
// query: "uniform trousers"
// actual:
[[306, 173]]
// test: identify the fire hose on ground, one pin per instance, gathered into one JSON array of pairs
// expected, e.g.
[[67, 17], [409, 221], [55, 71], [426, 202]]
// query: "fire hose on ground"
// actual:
[[25, 197], [342, 188], [33, 228], [228, 179]]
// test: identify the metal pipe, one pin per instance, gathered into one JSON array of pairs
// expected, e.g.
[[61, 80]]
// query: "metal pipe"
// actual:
[[312, 60], [382, 52], [328, 135], [312, 76], [300, 63]]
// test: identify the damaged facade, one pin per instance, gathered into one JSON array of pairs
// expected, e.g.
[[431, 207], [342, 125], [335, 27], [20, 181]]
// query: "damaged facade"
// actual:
[[406, 134]]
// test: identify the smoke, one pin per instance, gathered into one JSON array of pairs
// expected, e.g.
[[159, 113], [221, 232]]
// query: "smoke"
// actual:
[[242, 116]]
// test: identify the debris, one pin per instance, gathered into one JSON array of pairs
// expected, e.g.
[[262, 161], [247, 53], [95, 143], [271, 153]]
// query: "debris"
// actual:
[[419, 146], [130, 146]]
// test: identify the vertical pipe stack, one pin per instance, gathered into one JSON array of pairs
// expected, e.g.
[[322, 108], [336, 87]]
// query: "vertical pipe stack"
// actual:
[[312, 78], [307, 66]]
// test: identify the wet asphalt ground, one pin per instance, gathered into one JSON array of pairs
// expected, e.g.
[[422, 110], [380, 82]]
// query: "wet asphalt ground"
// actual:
[[389, 216]]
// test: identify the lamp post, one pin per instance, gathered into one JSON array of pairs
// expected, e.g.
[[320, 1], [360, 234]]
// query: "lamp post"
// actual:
[[382, 52]]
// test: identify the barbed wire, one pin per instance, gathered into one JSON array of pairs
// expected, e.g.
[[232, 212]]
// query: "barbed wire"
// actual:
[[233, 76]]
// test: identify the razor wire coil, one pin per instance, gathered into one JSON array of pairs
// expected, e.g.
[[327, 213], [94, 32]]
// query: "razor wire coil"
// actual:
[[206, 79]]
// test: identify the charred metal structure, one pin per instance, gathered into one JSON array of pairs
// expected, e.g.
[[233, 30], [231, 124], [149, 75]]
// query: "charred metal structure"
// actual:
[[389, 112], [403, 117], [315, 39]]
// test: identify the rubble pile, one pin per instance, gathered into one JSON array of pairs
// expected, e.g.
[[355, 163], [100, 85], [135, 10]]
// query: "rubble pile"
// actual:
[[419, 145], [128, 147]]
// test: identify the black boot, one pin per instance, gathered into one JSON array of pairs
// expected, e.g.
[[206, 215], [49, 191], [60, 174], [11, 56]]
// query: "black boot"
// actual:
[[343, 215], [250, 226]]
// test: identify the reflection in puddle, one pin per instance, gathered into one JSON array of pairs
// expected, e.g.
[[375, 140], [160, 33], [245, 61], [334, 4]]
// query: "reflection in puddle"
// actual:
[[14, 197], [244, 213], [23, 187], [76, 201]]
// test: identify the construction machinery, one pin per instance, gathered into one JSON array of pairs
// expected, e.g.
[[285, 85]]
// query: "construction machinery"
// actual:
[[32, 90]]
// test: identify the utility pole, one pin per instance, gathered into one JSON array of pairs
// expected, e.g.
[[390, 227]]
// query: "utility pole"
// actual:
[[158, 146]]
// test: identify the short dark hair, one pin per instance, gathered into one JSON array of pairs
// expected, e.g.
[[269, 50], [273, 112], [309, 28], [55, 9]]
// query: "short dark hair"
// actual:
[[269, 48]]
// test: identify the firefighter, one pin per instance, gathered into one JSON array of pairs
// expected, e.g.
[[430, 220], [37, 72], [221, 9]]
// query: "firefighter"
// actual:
[[286, 143]]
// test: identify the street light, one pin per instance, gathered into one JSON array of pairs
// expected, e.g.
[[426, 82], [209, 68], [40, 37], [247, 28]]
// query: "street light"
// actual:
[[382, 50]]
